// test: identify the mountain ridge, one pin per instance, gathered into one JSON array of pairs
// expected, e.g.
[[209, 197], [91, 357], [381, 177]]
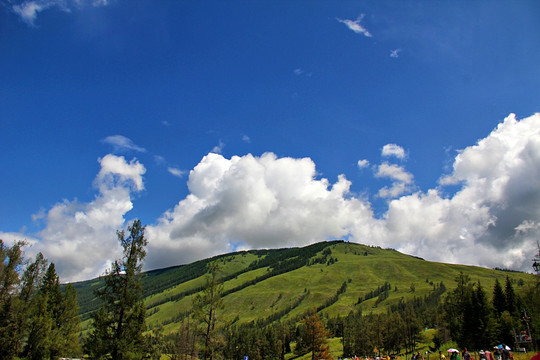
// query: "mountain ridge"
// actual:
[[267, 285]]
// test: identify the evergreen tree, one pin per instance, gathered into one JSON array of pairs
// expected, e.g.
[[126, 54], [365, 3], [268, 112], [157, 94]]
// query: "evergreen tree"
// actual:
[[34, 322], [479, 319], [510, 298], [62, 311], [31, 306], [119, 324], [68, 326], [393, 333], [457, 310], [411, 329], [499, 299], [357, 335], [10, 305], [206, 306]]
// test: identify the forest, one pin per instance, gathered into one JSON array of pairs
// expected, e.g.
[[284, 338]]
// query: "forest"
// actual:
[[40, 318]]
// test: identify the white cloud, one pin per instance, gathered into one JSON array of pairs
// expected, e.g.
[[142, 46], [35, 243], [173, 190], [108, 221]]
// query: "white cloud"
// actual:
[[246, 139], [122, 143], [401, 180], [80, 238], [395, 53], [253, 202], [394, 172], [355, 26], [363, 163], [393, 150], [267, 202], [298, 71], [218, 148], [176, 172], [29, 10], [116, 171]]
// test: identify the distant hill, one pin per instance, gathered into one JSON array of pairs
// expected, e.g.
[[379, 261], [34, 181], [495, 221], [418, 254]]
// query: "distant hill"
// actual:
[[333, 277]]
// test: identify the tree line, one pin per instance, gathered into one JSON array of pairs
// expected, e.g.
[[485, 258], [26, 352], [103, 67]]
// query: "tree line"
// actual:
[[38, 320]]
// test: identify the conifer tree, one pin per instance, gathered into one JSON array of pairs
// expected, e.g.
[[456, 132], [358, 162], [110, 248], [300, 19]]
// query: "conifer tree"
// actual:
[[68, 326], [10, 305], [499, 299], [457, 307], [314, 337], [479, 320], [206, 306], [119, 324], [510, 297], [31, 308]]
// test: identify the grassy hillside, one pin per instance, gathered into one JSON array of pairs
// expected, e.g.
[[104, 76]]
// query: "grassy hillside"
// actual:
[[267, 285]]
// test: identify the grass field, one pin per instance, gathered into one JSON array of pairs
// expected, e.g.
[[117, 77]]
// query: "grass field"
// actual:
[[315, 275]]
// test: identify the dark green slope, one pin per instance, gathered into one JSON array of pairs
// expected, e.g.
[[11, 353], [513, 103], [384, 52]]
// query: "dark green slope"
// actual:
[[267, 285]]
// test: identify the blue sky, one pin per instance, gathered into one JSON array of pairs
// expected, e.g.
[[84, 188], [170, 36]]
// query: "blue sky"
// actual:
[[242, 124]]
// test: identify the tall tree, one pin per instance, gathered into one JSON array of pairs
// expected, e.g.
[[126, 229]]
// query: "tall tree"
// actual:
[[393, 336], [499, 299], [60, 318], [315, 337], [206, 306], [411, 328], [479, 319], [119, 324], [510, 297], [68, 325], [10, 305], [456, 307]]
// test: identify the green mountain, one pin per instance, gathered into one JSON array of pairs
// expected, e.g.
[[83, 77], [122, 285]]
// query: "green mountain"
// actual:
[[333, 277]]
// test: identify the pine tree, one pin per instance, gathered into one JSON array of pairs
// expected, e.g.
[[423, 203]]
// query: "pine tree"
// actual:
[[510, 297], [68, 325], [62, 309], [314, 337], [411, 328], [119, 324], [480, 319], [393, 336], [457, 310], [10, 305], [206, 306], [499, 299], [34, 322]]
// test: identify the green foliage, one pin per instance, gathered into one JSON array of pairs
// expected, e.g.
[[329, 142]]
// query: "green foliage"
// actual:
[[37, 320], [119, 324], [206, 306], [265, 289]]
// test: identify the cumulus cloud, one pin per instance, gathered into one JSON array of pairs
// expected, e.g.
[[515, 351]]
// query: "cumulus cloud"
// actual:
[[122, 143], [265, 202], [401, 180], [363, 163], [80, 238], [253, 202], [355, 26], [394, 172], [393, 150]]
